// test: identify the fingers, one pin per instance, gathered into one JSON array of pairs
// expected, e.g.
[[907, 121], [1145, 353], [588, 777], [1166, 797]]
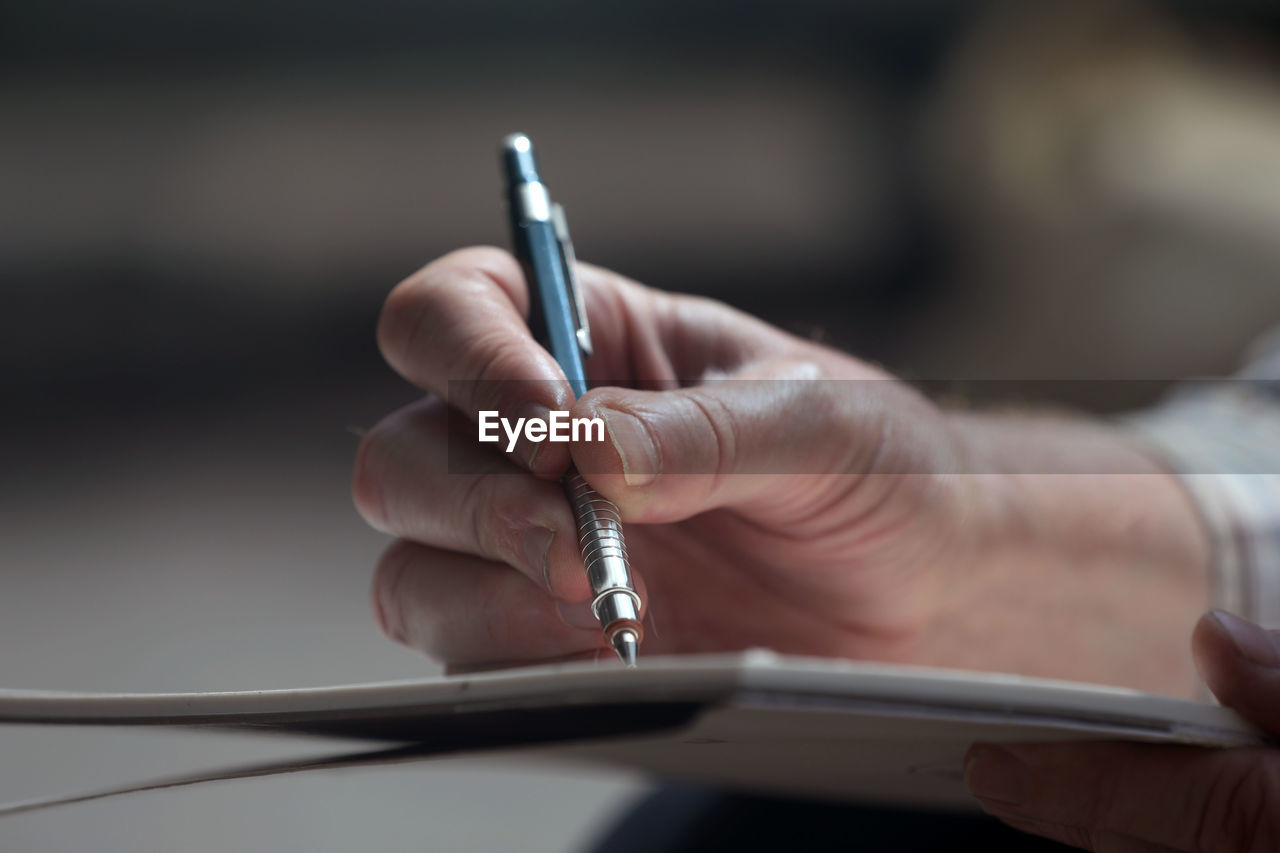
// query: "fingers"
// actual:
[[457, 328], [658, 340], [1241, 664], [669, 455], [1115, 797], [495, 574], [403, 486], [1137, 797], [469, 612]]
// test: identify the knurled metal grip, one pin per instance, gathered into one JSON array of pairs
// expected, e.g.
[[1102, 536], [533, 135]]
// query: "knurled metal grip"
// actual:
[[604, 552]]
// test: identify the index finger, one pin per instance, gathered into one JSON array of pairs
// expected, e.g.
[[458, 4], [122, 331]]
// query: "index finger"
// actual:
[[457, 328]]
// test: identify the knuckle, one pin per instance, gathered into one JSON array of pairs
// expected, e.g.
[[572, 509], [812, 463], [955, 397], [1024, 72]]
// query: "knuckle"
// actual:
[[481, 272], [469, 513], [694, 308], [721, 429], [498, 518], [475, 511], [605, 283], [486, 260], [492, 357], [505, 525], [472, 256]]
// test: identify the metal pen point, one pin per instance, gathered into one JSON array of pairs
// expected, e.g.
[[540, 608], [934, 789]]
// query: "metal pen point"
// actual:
[[558, 316], [626, 644]]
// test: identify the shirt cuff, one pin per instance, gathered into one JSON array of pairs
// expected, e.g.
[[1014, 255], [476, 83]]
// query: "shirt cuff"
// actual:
[[1222, 442]]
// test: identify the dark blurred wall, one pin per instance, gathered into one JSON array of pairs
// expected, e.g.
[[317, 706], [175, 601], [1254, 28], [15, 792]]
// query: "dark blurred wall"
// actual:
[[205, 197]]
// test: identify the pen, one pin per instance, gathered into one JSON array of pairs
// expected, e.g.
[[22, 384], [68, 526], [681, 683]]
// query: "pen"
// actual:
[[558, 318]]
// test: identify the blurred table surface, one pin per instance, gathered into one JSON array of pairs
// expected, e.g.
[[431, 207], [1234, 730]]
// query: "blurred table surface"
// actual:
[[203, 551]]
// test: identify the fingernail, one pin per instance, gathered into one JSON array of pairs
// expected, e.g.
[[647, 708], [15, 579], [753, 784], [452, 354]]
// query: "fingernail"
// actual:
[[636, 450], [992, 773], [537, 551], [577, 614], [1251, 642]]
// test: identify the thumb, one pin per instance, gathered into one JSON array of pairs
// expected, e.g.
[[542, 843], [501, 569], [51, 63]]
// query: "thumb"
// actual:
[[1241, 664], [762, 441]]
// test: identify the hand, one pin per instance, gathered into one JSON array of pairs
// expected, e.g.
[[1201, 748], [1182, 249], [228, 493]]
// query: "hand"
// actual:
[[895, 532], [1127, 797]]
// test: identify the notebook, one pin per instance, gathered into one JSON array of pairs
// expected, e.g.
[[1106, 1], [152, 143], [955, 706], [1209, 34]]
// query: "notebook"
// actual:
[[755, 721]]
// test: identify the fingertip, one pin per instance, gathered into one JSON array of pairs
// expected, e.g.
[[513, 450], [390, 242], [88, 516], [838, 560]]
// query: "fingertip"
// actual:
[[382, 590], [1218, 655], [401, 314], [660, 458], [624, 443], [379, 609], [1251, 642], [1223, 670], [1211, 647], [618, 458], [366, 484], [1238, 661]]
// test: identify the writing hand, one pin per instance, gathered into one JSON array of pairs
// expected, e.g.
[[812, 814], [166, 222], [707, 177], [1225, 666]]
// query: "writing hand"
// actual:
[[812, 505]]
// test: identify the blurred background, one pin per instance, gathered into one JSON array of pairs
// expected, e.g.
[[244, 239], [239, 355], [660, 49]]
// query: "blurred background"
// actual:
[[203, 205]]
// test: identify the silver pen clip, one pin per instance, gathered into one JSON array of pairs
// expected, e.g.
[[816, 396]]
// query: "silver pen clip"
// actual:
[[570, 261]]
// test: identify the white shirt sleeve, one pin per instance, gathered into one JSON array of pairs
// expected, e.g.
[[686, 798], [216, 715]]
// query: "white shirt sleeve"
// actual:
[[1222, 437]]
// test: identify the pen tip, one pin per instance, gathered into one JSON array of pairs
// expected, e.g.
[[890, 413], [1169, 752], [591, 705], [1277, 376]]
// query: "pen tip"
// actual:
[[626, 644], [518, 159]]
